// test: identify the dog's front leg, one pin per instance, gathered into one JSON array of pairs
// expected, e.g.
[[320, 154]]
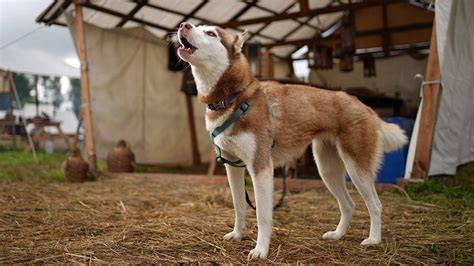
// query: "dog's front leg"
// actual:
[[235, 175], [263, 186]]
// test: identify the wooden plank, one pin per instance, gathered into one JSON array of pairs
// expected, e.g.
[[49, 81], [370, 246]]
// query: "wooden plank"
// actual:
[[385, 31], [428, 112], [86, 109], [192, 130], [212, 170], [205, 20], [194, 11], [365, 33], [312, 12], [121, 15], [304, 6], [138, 6]]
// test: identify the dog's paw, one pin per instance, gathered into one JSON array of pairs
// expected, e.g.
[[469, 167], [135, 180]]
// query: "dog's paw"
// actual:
[[332, 235], [258, 253], [370, 241], [234, 235]]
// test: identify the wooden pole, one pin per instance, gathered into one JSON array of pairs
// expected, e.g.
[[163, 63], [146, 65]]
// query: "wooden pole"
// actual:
[[86, 109], [10, 110], [428, 112], [212, 163], [192, 130], [23, 121]]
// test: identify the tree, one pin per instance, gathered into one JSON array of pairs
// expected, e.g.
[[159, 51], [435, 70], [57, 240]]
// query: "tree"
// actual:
[[24, 84], [75, 95], [52, 88]]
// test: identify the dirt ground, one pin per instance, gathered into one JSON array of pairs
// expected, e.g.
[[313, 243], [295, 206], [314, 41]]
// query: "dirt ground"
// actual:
[[170, 218]]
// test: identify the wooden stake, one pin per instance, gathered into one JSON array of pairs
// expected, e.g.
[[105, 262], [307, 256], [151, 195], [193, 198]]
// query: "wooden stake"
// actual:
[[212, 163], [17, 99], [192, 130], [10, 109], [428, 112], [86, 109]]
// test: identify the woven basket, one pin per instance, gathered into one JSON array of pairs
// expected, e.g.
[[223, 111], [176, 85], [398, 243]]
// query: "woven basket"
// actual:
[[121, 158], [75, 168]]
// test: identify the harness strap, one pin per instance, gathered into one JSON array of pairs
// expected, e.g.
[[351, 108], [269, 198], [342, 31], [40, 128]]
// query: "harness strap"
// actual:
[[239, 163], [216, 132]]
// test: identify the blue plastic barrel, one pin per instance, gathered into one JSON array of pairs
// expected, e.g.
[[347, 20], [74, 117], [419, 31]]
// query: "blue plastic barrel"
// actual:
[[393, 163]]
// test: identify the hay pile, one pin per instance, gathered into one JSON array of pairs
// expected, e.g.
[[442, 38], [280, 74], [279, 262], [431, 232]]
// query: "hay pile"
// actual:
[[156, 219]]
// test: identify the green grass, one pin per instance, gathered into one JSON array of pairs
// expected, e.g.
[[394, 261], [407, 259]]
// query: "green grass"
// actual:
[[456, 192], [448, 191], [21, 166]]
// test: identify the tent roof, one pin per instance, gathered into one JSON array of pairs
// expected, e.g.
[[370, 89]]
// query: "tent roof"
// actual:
[[282, 25]]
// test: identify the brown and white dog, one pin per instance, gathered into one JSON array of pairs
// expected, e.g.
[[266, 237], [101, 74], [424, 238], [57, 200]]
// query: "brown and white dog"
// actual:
[[346, 135]]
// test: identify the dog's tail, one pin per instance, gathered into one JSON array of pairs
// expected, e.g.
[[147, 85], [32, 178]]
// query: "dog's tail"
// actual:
[[393, 137]]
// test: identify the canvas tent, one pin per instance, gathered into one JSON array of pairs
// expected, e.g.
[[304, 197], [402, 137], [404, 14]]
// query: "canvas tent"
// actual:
[[150, 110], [453, 140], [135, 97]]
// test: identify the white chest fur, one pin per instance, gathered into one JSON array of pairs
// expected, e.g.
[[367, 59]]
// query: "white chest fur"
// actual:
[[240, 146], [237, 146]]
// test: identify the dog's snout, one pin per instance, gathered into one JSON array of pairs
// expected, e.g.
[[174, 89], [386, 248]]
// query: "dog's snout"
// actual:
[[185, 25]]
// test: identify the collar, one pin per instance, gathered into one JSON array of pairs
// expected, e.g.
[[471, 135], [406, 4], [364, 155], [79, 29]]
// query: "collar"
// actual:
[[227, 102]]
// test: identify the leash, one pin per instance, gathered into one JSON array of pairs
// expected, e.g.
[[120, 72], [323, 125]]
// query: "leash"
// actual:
[[280, 201], [239, 163]]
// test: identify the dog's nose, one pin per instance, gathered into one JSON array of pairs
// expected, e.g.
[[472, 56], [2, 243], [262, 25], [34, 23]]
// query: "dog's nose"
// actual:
[[185, 25]]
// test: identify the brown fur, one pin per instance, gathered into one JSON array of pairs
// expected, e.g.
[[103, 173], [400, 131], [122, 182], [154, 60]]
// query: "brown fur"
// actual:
[[303, 113]]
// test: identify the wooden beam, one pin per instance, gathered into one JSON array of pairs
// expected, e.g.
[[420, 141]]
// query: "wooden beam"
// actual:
[[192, 130], [121, 15], [55, 15], [379, 52], [304, 6], [205, 20], [212, 170], [428, 113], [358, 34], [385, 30], [86, 109], [268, 23], [138, 6], [194, 11], [313, 12]]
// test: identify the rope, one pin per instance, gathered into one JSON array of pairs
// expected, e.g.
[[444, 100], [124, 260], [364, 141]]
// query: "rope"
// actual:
[[21, 37], [280, 201]]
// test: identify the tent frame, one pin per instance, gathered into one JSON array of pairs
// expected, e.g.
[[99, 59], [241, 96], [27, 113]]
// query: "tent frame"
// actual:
[[86, 112]]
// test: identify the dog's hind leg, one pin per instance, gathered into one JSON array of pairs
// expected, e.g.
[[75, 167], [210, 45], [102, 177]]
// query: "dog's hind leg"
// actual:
[[363, 177], [332, 172], [235, 176]]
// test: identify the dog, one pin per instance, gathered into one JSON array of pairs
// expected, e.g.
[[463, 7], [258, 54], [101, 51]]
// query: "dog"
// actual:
[[279, 124]]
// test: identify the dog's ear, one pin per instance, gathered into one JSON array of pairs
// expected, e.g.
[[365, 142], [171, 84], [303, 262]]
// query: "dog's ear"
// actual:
[[240, 40]]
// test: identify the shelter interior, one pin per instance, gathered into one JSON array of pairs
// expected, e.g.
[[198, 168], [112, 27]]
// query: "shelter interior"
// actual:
[[369, 48]]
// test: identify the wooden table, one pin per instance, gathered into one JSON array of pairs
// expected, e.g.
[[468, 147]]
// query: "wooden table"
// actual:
[[40, 134]]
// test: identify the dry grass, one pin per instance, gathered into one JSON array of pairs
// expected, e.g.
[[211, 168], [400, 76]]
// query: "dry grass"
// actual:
[[155, 219]]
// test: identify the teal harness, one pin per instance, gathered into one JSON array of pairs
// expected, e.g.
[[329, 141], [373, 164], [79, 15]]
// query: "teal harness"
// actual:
[[216, 132], [239, 163]]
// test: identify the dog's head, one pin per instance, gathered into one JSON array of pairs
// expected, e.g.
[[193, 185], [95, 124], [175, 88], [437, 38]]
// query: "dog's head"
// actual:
[[208, 45]]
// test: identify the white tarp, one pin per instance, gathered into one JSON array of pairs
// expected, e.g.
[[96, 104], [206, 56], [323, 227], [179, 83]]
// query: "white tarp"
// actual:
[[135, 97], [453, 142], [35, 62]]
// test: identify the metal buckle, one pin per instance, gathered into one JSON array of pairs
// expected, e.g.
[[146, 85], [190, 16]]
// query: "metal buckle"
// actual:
[[219, 105]]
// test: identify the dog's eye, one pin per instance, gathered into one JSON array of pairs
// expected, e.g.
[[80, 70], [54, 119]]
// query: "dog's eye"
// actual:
[[210, 33]]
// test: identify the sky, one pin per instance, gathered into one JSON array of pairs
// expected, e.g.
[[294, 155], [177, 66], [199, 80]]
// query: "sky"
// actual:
[[17, 18]]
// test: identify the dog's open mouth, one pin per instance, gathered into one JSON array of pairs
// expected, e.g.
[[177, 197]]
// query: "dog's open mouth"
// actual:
[[186, 46]]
